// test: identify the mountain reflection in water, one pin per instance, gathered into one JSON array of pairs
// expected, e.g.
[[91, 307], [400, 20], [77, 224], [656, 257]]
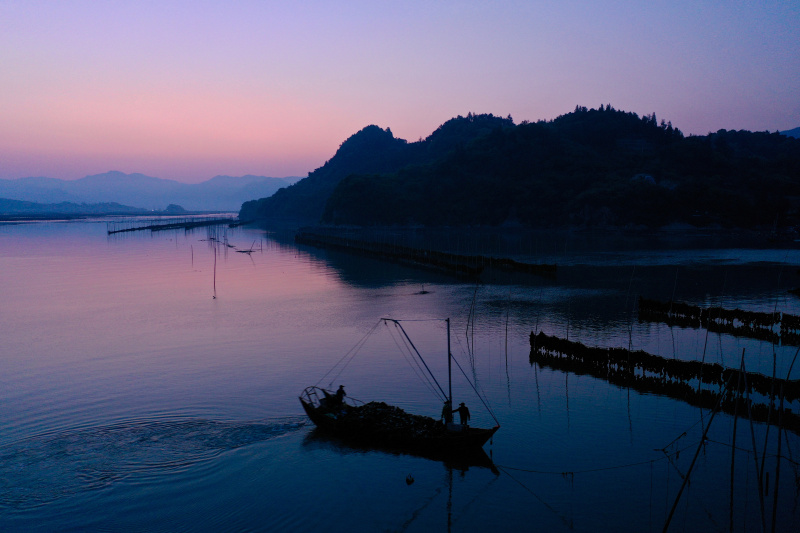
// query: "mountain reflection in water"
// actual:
[[133, 400]]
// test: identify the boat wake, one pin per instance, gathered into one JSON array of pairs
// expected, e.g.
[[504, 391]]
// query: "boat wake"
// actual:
[[41, 469]]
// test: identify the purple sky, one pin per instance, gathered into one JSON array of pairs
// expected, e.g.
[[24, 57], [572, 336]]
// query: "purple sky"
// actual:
[[189, 90]]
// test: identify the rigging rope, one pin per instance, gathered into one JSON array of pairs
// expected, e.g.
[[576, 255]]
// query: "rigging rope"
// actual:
[[480, 396], [418, 370], [351, 353], [697, 452], [665, 457], [397, 323], [567, 522], [601, 469]]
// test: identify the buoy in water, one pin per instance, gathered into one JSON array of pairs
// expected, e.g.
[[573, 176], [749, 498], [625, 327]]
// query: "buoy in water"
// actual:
[[409, 479]]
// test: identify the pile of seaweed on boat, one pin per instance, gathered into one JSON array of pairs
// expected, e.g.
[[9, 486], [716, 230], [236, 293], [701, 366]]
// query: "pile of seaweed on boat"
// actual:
[[738, 322], [379, 423], [378, 426], [672, 377]]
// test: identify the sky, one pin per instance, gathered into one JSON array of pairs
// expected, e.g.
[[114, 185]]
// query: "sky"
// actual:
[[187, 90]]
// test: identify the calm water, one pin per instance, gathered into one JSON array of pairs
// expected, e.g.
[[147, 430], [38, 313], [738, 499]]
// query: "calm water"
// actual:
[[132, 399]]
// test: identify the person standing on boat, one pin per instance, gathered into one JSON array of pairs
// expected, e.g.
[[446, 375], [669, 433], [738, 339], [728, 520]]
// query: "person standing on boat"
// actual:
[[340, 394], [463, 412], [447, 412]]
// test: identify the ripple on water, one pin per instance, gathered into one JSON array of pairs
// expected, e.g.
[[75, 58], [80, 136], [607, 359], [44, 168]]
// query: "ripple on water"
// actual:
[[38, 470]]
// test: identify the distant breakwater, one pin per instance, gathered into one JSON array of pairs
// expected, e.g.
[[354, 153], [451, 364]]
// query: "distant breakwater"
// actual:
[[466, 265], [777, 327], [647, 373]]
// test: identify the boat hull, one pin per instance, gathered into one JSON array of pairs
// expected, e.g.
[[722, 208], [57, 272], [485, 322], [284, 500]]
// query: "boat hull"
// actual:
[[423, 435]]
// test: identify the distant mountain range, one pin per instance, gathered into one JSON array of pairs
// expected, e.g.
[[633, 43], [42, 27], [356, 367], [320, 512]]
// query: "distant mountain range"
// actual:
[[221, 193], [792, 133], [12, 209], [592, 167]]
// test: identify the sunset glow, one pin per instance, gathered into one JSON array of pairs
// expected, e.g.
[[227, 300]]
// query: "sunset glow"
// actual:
[[187, 90]]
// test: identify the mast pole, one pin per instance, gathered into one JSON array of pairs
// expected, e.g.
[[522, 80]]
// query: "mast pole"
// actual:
[[449, 366]]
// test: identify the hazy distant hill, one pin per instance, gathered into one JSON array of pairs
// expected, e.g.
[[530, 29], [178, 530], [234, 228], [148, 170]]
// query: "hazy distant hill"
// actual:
[[792, 133], [22, 208], [591, 167], [371, 150], [222, 193]]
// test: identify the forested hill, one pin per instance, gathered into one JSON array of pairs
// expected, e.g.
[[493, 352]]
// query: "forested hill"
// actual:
[[590, 167], [370, 151]]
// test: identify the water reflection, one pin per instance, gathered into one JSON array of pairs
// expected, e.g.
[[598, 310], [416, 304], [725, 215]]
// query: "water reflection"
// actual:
[[461, 460], [121, 373]]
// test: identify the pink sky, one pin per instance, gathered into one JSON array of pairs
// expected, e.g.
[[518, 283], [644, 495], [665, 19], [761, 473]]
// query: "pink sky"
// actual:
[[190, 90]]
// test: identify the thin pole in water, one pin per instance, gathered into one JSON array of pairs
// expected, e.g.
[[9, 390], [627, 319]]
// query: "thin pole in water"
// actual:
[[449, 366], [737, 397], [697, 452], [215, 273]]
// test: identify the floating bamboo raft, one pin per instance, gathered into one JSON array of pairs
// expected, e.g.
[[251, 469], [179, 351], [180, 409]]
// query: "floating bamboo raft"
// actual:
[[468, 265], [775, 327], [647, 373]]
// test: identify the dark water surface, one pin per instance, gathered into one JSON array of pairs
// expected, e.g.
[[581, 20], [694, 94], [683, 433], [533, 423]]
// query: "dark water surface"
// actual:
[[132, 400]]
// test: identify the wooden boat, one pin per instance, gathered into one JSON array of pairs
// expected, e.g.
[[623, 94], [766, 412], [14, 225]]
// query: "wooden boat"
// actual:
[[388, 427]]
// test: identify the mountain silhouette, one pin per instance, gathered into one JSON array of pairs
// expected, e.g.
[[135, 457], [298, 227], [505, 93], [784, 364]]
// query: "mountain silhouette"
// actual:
[[221, 193], [20, 208], [372, 150], [792, 133], [590, 167]]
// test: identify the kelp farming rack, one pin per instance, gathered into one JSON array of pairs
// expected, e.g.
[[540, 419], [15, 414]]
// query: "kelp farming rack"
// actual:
[[165, 224], [777, 327], [452, 263], [648, 373]]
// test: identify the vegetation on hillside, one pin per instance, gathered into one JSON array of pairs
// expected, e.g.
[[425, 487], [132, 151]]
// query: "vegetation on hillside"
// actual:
[[370, 151], [589, 167]]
